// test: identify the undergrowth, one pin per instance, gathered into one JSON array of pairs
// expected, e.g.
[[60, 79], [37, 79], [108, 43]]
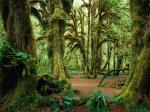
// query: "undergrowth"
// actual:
[[10, 58], [137, 108]]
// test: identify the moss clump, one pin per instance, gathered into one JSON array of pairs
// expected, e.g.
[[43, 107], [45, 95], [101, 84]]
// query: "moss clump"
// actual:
[[24, 95]]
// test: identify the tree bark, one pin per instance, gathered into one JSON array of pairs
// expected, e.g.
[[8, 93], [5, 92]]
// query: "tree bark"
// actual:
[[4, 11], [137, 88], [19, 30], [57, 26], [119, 63]]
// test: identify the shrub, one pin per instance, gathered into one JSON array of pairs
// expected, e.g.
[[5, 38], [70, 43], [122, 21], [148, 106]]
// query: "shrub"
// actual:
[[97, 103], [138, 108], [61, 103]]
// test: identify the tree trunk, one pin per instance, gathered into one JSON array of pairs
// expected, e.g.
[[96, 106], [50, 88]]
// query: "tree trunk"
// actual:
[[19, 30], [137, 88], [83, 51], [108, 55], [4, 11], [57, 26], [96, 50], [94, 42], [88, 54], [114, 56], [119, 63]]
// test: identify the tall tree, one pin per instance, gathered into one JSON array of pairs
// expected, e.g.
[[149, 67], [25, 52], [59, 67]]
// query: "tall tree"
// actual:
[[13, 80], [137, 88], [57, 28], [56, 33]]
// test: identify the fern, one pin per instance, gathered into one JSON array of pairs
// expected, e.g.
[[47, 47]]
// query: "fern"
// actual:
[[10, 58], [97, 103]]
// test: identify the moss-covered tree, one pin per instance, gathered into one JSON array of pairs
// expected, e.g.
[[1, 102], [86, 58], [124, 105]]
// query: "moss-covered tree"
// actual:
[[59, 9], [16, 81], [137, 88], [57, 23]]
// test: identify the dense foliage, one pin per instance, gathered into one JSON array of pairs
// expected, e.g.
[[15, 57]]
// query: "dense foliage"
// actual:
[[10, 58], [43, 43]]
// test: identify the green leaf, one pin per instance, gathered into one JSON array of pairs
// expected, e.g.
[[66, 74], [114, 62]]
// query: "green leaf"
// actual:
[[52, 101]]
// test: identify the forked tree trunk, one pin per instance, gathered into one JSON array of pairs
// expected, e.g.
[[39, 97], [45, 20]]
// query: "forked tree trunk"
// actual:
[[19, 30], [137, 88]]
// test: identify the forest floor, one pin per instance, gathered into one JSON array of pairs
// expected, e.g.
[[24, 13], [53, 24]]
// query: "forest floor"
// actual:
[[85, 86], [110, 86]]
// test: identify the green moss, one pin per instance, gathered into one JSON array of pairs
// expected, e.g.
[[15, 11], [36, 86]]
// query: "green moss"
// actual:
[[24, 95], [137, 88], [57, 28], [59, 13]]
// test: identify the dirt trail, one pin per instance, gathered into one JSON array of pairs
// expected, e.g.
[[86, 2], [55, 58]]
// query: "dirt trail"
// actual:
[[88, 86]]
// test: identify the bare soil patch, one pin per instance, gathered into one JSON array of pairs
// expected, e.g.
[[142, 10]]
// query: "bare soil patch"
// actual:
[[86, 87]]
